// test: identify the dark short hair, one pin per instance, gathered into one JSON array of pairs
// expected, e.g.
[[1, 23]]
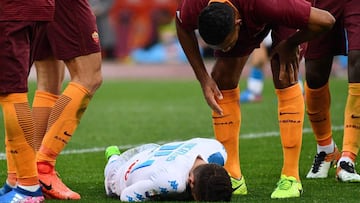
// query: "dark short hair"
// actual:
[[211, 183], [215, 22]]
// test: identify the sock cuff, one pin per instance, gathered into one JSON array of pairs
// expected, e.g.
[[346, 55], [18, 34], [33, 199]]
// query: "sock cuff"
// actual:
[[354, 88], [319, 92], [289, 92], [73, 86], [44, 99], [229, 95], [18, 97]]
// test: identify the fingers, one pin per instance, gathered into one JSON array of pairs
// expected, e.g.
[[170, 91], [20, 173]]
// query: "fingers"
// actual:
[[212, 93], [295, 68], [215, 105], [291, 74], [218, 93], [296, 71], [282, 73]]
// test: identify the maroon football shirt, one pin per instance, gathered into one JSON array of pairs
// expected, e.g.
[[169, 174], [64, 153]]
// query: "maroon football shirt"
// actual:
[[258, 17], [27, 10]]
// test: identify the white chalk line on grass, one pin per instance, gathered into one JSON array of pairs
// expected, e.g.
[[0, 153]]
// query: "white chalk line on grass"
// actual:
[[244, 136]]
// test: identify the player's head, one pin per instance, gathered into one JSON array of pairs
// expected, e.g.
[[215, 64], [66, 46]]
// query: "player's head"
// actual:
[[211, 183], [219, 24]]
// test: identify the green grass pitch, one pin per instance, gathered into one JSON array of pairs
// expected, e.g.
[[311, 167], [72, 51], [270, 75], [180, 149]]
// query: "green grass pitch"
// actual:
[[129, 113]]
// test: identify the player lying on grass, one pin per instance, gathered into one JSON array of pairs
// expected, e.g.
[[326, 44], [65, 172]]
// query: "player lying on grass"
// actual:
[[187, 170]]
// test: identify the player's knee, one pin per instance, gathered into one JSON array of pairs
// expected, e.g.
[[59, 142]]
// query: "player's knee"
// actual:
[[354, 59], [97, 81], [354, 66]]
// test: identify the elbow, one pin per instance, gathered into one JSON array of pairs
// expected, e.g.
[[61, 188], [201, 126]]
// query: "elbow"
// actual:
[[328, 22], [320, 20]]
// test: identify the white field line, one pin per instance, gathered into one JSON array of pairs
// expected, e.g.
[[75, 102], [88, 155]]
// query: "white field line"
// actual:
[[244, 136]]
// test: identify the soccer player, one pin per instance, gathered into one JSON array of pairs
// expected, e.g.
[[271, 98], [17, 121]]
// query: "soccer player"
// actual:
[[318, 61], [50, 76], [234, 29], [185, 170], [51, 88], [18, 41], [72, 38]]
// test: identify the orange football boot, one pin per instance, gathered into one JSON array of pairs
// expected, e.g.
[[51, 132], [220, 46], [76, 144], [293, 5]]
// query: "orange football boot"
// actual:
[[51, 184]]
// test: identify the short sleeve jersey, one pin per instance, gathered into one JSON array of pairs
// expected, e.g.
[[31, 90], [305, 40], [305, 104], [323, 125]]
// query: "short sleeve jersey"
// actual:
[[27, 10], [258, 16], [166, 169]]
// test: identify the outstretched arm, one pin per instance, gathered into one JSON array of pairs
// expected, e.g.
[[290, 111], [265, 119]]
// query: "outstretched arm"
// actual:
[[139, 192], [189, 43], [320, 21]]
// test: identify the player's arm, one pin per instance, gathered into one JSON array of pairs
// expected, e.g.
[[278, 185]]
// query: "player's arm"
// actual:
[[189, 43], [160, 187], [319, 22], [141, 191]]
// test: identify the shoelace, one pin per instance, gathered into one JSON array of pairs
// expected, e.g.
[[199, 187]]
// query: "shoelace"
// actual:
[[319, 158], [284, 184], [347, 166], [235, 182]]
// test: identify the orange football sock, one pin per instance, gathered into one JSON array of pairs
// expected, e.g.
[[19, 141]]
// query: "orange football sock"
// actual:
[[351, 139], [41, 108], [318, 111], [227, 129], [291, 119], [11, 168], [19, 130], [63, 121]]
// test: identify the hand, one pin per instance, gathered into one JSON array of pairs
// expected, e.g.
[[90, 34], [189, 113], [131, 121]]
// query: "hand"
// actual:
[[210, 91], [289, 61]]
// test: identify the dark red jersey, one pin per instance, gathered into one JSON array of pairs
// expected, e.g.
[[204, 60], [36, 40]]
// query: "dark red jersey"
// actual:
[[258, 17], [337, 41], [27, 10], [254, 13]]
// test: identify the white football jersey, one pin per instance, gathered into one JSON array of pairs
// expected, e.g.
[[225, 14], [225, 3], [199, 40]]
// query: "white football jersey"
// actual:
[[164, 169]]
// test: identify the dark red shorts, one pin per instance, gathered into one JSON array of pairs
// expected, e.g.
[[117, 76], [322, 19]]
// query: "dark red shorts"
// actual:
[[17, 42], [352, 23], [333, 42], [73, 33], [244, 45], [280, 33], [243, 48]]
